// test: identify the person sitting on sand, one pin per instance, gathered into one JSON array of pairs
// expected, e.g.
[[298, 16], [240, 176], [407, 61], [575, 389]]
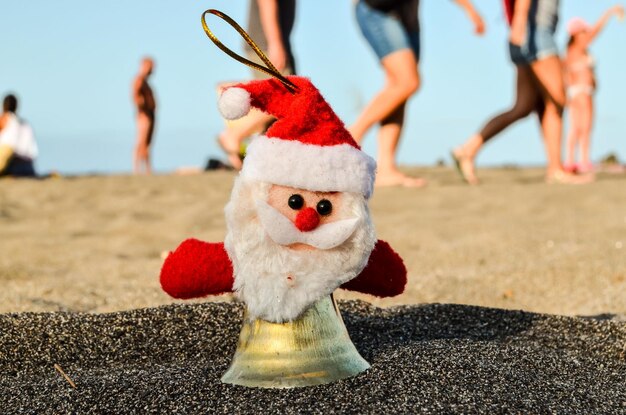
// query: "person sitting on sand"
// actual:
[[540, 88], [581, 84], [393, 32], [18, 149], [144, 100], [269, 24]]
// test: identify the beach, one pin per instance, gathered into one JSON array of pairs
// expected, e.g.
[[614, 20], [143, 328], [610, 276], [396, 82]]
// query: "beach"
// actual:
[[85, 327], [515, 294], [95, 243]]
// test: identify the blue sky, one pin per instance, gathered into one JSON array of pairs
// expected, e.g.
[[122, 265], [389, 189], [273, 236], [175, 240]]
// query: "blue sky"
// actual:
[[71, 62]]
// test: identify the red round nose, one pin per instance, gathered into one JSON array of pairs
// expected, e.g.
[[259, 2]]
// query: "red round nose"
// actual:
[[307, 220]]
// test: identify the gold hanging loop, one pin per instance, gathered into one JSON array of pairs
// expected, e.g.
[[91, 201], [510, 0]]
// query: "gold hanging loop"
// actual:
[[270, 69]]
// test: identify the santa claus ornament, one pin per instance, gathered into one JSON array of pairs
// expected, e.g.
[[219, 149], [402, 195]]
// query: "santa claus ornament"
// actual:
[[298, 228]]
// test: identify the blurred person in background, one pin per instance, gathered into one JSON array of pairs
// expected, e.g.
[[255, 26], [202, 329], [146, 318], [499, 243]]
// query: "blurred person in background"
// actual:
[[540, 88], [143, 98], [270, 23], [581, 85], [18, 149], [392, 29]]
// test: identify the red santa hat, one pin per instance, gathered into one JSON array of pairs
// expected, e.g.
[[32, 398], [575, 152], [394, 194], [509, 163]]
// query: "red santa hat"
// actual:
[[308, 146]]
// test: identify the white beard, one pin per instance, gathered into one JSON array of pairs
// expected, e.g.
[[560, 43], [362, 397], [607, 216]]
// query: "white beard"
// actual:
[[278, 283]]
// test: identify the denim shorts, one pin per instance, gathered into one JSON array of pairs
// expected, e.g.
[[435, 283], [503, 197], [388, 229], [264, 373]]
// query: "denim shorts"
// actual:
[[539, 44], [385, 33]]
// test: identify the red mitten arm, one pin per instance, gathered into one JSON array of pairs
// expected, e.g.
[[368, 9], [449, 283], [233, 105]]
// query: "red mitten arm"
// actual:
[[383, 276], [197, 269]]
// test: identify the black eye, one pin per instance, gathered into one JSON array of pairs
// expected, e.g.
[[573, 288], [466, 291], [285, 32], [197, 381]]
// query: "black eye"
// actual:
[[296, 202], [324, 207]]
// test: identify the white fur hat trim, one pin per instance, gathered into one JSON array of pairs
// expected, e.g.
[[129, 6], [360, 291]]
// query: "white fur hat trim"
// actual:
[[336, 168]]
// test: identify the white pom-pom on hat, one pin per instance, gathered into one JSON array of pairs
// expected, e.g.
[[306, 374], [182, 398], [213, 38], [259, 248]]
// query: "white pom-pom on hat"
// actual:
[[234, 103]]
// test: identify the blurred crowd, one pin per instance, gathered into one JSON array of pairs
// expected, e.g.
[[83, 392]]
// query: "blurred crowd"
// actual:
[[546, 81], [546, 84]]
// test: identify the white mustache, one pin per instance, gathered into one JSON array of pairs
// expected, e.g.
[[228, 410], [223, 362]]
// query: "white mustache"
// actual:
[[282, 231]]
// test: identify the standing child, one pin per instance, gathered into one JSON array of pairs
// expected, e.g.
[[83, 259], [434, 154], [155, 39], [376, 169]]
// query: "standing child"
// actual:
[[581, 85]]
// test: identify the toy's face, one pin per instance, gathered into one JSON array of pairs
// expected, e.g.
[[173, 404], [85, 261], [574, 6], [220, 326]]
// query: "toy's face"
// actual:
[[290, 246], [304, 220], [294, 203]]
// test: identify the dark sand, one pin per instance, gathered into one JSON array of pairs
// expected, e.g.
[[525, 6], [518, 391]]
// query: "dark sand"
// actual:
[[425, 359]]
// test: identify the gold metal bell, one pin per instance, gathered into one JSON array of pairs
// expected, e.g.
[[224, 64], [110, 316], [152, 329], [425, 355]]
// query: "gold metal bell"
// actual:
[[311, 350]]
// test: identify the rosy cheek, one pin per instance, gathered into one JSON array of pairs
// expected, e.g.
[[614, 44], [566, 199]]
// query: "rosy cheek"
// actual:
[[327, 218], [289, 213], [278, 199]]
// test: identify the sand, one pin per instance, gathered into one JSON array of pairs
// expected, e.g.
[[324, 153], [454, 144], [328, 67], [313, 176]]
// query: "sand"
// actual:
[[425, 359], [74, 249], [93, 244]]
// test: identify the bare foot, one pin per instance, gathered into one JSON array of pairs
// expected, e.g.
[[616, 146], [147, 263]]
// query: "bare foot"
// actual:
[[465, 166], [585, 167], [570, 167], [188, 171], [563, 177], [230, 145], [396, 178]]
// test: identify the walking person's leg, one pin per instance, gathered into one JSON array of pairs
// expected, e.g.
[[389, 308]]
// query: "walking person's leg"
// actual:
[[548, 73], [141, 145], [231, 138], [573, 135], [401, 82], [388, 139], [526, 98], [149, 136], [586, 126]]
